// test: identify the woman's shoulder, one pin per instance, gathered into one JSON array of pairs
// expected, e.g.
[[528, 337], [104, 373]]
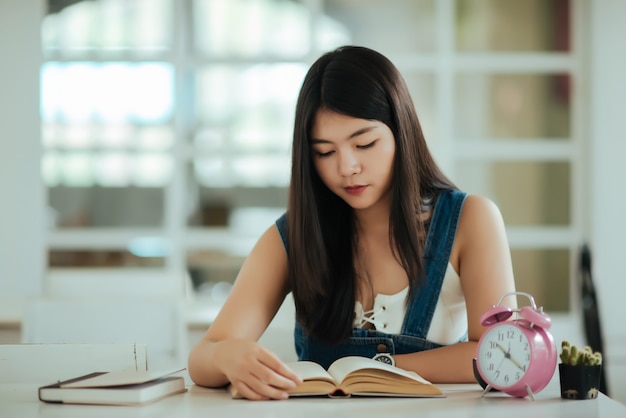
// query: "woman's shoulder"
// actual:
[[480, 222], [281, 227], [473, 206], [269, 249], [477, 207], [281, 221], [479, 213]]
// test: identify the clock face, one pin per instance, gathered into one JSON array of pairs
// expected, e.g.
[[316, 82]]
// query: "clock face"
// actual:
[[504, 355]]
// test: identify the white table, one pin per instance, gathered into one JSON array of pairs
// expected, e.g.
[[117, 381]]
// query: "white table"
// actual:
[[20, 401]]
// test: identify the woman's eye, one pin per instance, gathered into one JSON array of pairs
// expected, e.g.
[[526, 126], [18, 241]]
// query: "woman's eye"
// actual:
[[366, 146], [323, 154]]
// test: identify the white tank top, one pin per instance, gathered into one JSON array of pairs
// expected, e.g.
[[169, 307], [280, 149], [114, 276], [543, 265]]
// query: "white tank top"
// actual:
[[449, 322]]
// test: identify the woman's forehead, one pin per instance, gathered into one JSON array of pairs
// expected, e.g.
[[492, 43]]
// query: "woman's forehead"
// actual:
[[330, 126]]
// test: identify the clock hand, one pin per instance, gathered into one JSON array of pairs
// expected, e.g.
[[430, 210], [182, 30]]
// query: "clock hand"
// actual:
[[502, 361], [515, 363], [507, 355]]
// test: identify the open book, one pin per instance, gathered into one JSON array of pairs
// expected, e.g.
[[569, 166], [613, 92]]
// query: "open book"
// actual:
[[115, 388], [360, 376]]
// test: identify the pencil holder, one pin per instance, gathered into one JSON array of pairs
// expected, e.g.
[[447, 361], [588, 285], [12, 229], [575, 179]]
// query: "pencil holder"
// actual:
[[579, 372], [579, 382]]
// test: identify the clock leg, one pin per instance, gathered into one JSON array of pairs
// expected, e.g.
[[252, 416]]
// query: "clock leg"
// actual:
[[530, 393], [487, 389]]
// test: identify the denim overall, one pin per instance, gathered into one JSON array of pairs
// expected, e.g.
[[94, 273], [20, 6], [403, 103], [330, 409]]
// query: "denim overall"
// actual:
[[420, 308]]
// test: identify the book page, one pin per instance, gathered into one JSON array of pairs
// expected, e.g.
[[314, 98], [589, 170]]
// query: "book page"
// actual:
[[315, 380], [375, 381], [364, 376], [346, 365], [119, 378], [309, 370]]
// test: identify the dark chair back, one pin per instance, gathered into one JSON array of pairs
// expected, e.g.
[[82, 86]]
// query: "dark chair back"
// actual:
[[591, 314]]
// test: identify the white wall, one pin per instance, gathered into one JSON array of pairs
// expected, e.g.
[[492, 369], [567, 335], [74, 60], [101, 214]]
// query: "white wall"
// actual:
[[608, 154], [22, 254], [607, 135]]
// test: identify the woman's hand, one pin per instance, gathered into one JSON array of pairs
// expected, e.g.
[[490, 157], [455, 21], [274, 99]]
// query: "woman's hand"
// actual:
[[254, 371]]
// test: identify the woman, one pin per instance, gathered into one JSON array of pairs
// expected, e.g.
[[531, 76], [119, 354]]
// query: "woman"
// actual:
[[385, 257]]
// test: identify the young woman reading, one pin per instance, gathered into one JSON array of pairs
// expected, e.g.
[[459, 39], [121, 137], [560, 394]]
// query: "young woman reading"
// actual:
[[381, 251]]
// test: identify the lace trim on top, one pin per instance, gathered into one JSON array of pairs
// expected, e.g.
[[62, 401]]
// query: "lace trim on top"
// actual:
[[386, 315]]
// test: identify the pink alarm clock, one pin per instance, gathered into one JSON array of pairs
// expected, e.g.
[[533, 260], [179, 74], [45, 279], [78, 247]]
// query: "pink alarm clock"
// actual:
[[516, 356]]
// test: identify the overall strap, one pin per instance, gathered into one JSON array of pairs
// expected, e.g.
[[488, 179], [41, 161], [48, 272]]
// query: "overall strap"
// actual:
[[281, 225], [441, 233]]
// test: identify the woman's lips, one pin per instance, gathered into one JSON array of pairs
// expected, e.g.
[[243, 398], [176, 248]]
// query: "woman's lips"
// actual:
[[355, 190]]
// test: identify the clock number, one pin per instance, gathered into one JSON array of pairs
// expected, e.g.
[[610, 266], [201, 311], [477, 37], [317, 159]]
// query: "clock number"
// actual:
[[510, 334]]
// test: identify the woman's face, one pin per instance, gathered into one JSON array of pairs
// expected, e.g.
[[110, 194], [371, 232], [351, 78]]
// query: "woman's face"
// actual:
[[353, 157]]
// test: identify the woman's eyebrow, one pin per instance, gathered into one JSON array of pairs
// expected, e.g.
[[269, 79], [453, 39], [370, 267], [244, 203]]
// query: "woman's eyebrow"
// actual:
[[351, 136]]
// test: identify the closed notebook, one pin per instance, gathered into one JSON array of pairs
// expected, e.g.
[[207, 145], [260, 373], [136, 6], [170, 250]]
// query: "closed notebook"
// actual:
[[115, 388]]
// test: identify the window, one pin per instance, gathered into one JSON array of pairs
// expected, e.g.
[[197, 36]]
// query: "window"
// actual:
[[167, 124]]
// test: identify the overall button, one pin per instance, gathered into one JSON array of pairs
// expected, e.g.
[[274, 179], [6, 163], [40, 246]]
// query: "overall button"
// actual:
[[381, 348]]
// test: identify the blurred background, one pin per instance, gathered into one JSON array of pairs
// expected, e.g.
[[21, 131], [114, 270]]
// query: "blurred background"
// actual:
[[164, 126]]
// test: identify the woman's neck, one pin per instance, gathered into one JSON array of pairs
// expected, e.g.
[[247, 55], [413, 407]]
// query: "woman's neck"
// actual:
[[372, 223], [375, 219]]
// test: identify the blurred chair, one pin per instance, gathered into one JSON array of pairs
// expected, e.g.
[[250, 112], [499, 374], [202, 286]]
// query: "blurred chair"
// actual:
[[47, 363], [85, 307], [591, 315]]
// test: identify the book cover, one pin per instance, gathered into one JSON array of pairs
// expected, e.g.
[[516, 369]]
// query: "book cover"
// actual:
[[114, 388], [357, 376]]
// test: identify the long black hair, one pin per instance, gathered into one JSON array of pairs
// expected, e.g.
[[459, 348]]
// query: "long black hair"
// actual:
[[361, 83]]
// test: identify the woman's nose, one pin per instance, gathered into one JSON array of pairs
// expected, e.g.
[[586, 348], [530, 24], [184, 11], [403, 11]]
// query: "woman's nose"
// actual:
[[349, 164]]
